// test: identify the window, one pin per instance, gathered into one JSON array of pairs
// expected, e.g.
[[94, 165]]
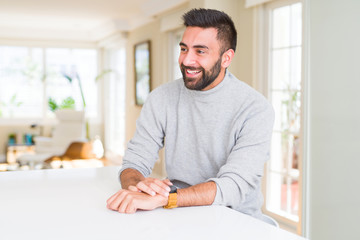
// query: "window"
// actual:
[[175, 39], [283, 71], [30, 76], [114, 105], [21, 84]]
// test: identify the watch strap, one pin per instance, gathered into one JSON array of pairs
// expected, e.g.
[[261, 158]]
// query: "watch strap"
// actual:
[[172, 201]]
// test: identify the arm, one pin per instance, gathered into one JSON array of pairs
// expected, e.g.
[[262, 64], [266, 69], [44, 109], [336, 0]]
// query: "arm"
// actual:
[[130, 177], [238, 181], [197, 195], [126, 201], [143, 149], [138, 190]]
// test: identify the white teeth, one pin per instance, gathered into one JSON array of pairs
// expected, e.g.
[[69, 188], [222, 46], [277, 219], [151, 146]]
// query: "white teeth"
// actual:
[[192, 72]]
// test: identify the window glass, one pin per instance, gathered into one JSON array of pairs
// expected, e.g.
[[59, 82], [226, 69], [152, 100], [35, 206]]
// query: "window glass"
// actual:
[[81, 66], [176, 49], [281, 27], [30, 76], [282, 191], [20, 82], [174, 53]]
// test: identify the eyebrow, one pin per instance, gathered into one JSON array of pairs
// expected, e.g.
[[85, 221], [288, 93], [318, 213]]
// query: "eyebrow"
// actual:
[[195, 46]]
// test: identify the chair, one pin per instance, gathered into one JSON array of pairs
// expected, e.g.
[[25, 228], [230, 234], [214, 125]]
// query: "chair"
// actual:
[[270, 220], [70, 128], [76, 150], [78, 154]]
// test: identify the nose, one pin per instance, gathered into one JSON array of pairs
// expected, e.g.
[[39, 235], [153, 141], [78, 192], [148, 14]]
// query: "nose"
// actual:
[[188, 58]]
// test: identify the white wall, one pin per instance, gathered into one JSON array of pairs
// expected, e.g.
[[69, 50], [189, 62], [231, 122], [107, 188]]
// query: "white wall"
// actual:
[[334, 119]]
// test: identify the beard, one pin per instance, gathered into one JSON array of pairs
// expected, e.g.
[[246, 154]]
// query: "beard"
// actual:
[[203, 81]]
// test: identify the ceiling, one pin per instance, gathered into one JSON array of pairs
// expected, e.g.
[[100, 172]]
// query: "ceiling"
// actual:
[[84, 20]]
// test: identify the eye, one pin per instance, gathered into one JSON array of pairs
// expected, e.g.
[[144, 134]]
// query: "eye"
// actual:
[[182, 49], [200, 51]]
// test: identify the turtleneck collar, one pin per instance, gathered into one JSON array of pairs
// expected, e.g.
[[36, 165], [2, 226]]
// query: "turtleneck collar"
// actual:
[[205, 95]]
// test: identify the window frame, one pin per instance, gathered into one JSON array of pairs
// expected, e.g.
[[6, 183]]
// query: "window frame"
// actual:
[[262, 76], [171, 47]]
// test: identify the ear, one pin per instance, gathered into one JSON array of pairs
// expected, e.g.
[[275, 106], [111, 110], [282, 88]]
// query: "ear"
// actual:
[[227, 58]]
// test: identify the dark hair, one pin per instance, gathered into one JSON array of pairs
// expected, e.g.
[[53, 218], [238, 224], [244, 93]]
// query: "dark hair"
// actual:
[[210, 18]]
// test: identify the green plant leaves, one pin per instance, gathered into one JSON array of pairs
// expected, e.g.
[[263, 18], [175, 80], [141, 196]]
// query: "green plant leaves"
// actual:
[[52, 104], [68, 78], [67, 103]]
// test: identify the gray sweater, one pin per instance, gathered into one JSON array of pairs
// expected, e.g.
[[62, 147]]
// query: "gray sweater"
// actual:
[[221, 135]]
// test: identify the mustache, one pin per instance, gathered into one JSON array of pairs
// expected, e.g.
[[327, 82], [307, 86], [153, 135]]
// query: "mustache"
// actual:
[[191, 68]]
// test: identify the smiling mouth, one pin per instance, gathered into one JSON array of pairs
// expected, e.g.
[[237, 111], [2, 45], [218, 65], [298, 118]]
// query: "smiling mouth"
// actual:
[[192, 73]]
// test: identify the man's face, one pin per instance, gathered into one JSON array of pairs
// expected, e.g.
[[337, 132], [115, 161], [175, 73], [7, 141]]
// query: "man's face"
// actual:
[[200, 61]]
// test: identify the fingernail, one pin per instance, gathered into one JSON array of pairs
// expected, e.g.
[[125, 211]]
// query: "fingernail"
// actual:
[[168, 189], [166, 194], [152, 193]]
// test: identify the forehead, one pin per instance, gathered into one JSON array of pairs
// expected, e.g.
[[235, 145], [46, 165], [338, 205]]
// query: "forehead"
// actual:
[[195, 36]]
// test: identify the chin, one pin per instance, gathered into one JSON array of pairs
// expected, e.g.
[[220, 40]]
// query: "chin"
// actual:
[[191, 83]]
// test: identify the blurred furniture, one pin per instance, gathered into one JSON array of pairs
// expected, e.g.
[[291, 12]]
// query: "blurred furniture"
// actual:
[[76, 150], [78, 154], [2, 158], [70, 128], [15, 151]]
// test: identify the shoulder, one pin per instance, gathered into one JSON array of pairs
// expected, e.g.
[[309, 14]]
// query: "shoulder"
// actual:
[[163, 96], [241, 88], [248, 98], [167, 91], [169, 86]]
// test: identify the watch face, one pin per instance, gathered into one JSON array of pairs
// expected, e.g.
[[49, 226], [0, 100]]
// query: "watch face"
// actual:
[[173, 189]]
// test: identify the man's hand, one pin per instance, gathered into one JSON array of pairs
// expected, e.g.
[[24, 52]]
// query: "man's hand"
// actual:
[[125, 201], [152, 186], [133, 180]]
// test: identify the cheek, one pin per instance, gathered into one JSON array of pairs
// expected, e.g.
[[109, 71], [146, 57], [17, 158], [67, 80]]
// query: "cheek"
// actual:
[[181, 59], [205, 64]]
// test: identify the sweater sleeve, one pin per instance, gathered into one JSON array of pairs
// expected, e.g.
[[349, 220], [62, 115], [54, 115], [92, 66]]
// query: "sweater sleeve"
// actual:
[[238, 181], [143, 149]]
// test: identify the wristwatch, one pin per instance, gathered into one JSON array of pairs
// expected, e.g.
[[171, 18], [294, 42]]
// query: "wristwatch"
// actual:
[[172, 199]]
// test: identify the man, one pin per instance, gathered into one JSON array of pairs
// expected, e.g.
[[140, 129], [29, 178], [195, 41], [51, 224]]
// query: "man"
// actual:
[[216, 129]]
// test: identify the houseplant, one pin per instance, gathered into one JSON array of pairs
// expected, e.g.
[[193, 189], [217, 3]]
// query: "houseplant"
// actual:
[[76, 76]]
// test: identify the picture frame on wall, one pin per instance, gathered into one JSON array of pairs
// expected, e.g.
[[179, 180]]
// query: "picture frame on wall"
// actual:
[[142, 63]]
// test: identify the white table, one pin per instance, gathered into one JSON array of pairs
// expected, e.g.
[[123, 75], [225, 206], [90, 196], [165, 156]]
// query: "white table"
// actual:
[[71, 204]]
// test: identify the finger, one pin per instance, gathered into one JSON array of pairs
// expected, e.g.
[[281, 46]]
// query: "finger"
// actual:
[[114, 205], [133, 189], [158, 186], [125, 203], [111, 199], [160, 190], [145, 188], [163, 185], [130, 209], [168, 182]]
